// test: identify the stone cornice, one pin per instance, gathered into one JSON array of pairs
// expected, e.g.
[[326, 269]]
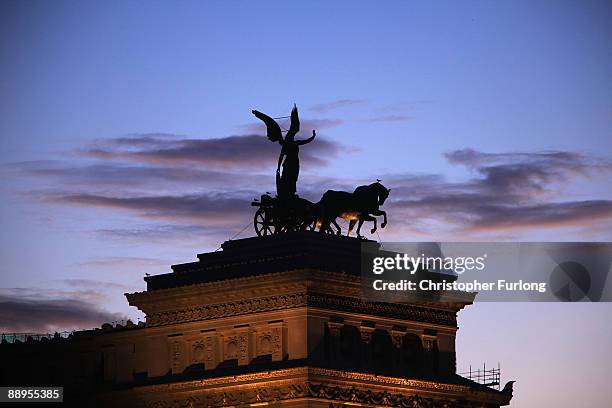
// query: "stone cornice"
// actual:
[[273, 281], [313, 372], [390, 310], [227, 309], [315, 383], [250, 288], [289, 301]]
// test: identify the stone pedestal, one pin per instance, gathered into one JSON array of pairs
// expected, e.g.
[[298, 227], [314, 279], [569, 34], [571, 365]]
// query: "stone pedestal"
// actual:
[[279, 321]]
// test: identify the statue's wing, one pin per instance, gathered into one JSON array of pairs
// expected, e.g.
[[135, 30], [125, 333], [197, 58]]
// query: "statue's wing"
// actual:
[[274, 131], [295, 123]]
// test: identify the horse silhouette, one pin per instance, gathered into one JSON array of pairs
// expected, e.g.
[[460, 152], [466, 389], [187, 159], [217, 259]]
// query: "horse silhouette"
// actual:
[[356, 207]]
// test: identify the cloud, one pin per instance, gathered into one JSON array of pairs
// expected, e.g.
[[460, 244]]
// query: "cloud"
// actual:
[[118, 261], [207, 215], [475, 212], [203, 208], [515, 174], [567, 159], [92, 284], [138, 177], [182, 183], [47, 311], [192, 201], [159, 232], [564, 214], [236, 152], [181, 235], [510, 191], [339, 103]]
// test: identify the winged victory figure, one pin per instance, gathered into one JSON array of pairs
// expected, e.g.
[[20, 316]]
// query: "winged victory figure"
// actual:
[[288, 168]]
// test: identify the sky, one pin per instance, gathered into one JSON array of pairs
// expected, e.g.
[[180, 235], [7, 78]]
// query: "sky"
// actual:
[[128, 145]]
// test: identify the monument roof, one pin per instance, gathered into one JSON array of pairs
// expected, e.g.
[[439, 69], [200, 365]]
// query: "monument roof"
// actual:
[[273, 253]]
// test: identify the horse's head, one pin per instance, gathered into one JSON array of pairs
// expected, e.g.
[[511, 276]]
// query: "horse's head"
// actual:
[[382, 191]]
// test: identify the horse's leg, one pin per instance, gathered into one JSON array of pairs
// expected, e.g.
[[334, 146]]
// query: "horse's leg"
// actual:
[[327, 227], [373, 219], [384, 214], [359, 227], [316, 223], [339, 230], [351, 226], [322, 224]]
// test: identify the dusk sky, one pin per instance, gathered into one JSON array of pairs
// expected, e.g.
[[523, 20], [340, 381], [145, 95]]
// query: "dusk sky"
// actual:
[[129, 145]]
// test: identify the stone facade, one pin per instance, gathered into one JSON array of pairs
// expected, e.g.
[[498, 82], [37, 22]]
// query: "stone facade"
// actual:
[[274, 321]]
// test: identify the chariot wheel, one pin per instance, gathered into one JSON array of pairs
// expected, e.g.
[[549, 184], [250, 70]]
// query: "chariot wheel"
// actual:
[[263, 223]]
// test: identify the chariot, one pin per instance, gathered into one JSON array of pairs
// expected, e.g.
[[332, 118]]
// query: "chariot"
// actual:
[[287, 212], [282, 214]]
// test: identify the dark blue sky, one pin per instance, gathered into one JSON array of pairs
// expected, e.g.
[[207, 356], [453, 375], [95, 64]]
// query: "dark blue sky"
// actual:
[[128, 145]]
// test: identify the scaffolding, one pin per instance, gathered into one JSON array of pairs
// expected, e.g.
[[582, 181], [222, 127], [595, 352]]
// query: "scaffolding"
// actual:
[[490, 377]]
